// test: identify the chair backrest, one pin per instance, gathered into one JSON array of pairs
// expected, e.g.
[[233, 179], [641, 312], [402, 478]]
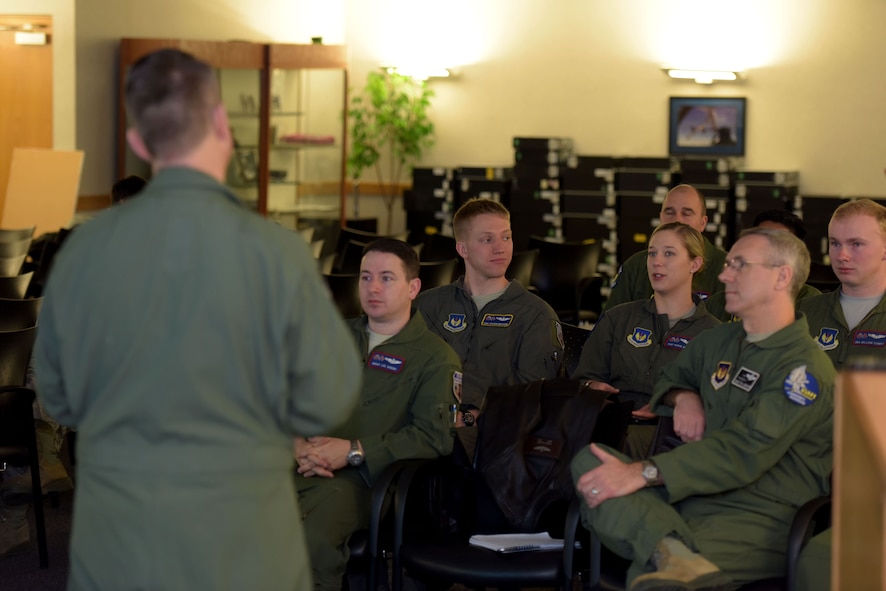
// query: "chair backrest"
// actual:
[[14, 235], [15, 287], [18, 439], [350, 257], [560, 269], [14, 249], [436, 273], [17, 314], [439, 248], [529, 434], [307, 233], [574, 338], [11, 266], [345, 293], [15, 353], [317, 248], [521, 266], [822, 277]]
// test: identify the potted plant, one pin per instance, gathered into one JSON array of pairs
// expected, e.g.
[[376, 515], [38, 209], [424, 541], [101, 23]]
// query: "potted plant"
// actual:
[[389, 116]]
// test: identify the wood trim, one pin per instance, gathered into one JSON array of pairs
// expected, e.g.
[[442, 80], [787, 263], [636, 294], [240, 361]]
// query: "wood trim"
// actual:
[[220, 54], [297, 57], [376, 188]]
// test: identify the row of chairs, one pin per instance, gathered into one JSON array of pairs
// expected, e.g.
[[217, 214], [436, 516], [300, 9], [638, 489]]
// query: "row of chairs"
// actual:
[[563, 274]]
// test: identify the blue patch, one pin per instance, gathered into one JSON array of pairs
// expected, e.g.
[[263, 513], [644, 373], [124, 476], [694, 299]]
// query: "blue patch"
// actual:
[[703, 295], [800, 387], [499, 320], [385, 362], [869, 338], [721, 376], [676, 342], [455, 323], [827, 339], [641, 337]]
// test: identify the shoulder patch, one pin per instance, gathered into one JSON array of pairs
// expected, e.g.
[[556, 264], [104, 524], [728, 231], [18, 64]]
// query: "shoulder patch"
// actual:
[[498, 320], [745, 379], [800, 387], [456, 323], [869, 338], [721, 375], [558, 335], [676, 342], [457, 379], [703, 295], [641, 337], [386, 362], [827, 338]]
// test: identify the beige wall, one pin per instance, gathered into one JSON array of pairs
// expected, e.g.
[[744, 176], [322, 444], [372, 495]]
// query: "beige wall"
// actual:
[[63, 73], [587, 69], [590, 70], [101, 23]]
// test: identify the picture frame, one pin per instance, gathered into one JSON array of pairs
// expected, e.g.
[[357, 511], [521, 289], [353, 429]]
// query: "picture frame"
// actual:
[[703, 126]]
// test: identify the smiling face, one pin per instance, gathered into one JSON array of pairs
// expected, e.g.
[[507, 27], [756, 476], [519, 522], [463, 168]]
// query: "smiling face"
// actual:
[[669, 264], [385, 292], [858, 254], [486, 246]]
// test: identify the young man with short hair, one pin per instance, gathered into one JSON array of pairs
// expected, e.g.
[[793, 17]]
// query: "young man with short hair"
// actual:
[[410, 378], [503, 334], [685, 204]]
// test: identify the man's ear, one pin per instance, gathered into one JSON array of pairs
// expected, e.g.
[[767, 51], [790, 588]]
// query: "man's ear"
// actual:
[[461, 249], [220, 124], [785, 276], [414, 287], [135, 141]]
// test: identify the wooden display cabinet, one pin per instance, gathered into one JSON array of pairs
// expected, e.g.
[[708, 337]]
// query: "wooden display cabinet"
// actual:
[[286, 105]]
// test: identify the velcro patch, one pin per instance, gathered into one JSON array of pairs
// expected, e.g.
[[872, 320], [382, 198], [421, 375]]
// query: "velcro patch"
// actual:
[[801, 387], [386, 362], [499, 320], [641, 337], [546, 448], [676, 342], [827, 339], [869, 338]]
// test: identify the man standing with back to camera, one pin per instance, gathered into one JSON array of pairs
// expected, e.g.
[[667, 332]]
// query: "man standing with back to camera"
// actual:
[[685, 204], [188, 340]]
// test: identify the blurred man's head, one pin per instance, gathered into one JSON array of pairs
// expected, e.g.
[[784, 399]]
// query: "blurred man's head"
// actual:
[[684, 204], [781, 219]]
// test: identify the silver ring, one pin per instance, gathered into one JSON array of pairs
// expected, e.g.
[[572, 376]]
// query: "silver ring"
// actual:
[[594, 491]]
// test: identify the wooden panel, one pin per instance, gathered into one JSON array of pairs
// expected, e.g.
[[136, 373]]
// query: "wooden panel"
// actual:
[[859, 551], [36, 198], [26, 91], [220, 54], [294, 57]]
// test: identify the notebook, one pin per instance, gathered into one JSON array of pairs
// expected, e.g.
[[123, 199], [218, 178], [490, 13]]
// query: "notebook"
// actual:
[[506, 543]]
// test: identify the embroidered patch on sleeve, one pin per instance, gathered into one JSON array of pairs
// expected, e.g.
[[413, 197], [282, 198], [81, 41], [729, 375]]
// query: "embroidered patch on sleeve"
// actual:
[[801, 387], [721, 376], [558, 335], [641, 337], [869, 338], [498, 320], [703, 295], [827, 339], [385, 362], [457, 379]]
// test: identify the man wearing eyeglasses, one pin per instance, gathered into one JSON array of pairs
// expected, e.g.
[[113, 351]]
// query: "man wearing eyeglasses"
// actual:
[[753, 402]]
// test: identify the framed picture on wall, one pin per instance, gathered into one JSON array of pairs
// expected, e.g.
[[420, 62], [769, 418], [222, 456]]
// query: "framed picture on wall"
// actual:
[[706, 126]]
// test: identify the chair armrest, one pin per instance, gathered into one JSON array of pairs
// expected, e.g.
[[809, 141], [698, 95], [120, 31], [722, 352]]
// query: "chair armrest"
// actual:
[[570, 529], [401, 495], [380, 489], [813, 517]]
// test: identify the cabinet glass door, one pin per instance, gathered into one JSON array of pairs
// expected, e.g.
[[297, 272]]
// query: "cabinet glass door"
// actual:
[[306, 145], [241, 92]]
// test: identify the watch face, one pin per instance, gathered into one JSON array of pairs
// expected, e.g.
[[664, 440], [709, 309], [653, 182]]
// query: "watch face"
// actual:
[[355, 458], [650, 472], [468, 419]]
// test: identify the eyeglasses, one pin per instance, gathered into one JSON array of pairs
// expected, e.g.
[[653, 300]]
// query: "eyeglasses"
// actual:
[[737, 264]]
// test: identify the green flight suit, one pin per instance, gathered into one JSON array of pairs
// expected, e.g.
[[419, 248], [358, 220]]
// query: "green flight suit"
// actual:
[[403, 413], [828, 328], [716, 303], [512, 340], [188, 340], [766, 450], [632, 282]]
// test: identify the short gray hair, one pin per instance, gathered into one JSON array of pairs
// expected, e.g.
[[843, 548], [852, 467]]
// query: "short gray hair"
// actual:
[[785, 249]]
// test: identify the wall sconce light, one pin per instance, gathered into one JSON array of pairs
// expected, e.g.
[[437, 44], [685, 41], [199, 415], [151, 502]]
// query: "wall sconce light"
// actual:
[[419, 73], [704, 76]]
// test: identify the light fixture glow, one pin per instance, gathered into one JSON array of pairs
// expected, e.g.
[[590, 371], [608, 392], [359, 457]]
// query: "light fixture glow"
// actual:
[[703, 76], [419, 73]]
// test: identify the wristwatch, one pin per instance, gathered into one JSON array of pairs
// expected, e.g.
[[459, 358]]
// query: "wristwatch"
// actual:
[[467, 418], [650, 473], [355, 455]]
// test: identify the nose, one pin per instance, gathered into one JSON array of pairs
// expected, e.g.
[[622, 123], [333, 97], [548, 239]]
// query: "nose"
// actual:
[[726, 275], [842, 254]]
